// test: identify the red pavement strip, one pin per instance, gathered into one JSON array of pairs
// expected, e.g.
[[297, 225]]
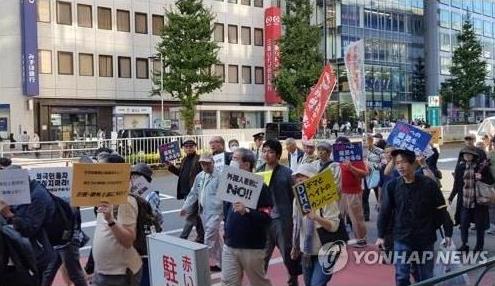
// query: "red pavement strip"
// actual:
[[351, 275]]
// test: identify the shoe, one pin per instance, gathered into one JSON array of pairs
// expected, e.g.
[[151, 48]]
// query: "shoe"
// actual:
[[464, 248], [366, 219], [477, 249], [215, 269], [359, 243]]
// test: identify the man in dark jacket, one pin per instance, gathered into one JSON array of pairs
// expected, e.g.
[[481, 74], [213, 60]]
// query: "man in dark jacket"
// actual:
[[416, 206], [246, 232], [188, 170], [280, 188], [217, 146]]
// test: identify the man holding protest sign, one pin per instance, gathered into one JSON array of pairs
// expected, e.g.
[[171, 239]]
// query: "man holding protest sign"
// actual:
[[220, 157], [204, 191], [246, 232]]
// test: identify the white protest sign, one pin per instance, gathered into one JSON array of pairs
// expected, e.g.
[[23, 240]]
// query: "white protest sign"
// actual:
[[175, 261], [57, 180], [14, 187], [240, 186], [219, 160]]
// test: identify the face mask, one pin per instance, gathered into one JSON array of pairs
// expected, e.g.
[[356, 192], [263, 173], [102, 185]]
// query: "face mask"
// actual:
[[233, 148], [234, 164]]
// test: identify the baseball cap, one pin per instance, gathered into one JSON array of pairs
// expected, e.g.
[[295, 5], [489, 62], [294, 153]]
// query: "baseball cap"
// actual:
[[208, 158]]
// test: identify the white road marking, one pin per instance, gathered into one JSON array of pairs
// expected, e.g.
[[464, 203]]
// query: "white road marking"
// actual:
[[447, 160], [163, 197], [93, 222]]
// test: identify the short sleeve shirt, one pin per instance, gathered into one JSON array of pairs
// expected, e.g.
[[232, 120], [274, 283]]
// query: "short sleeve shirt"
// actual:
[[112, 258], [351, 184]]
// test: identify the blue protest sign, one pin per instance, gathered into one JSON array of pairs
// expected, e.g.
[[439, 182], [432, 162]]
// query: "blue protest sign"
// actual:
[[348, 152], [405, 136], [170, 151], [3, 123]]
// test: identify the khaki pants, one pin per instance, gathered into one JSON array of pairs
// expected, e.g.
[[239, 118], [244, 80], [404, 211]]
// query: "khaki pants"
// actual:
[[352, 205], [236, 262]]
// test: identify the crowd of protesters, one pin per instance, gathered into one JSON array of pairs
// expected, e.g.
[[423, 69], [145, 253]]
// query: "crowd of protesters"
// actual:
[[406, 187]]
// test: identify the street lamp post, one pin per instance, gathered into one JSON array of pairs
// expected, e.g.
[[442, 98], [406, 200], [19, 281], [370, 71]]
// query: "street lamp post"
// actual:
[[154, 58]]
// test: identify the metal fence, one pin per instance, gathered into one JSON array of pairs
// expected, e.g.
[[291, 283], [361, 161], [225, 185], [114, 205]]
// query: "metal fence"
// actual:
[[450, 133]]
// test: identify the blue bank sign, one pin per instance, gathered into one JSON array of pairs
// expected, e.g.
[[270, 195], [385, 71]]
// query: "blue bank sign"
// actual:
[[30, 78]]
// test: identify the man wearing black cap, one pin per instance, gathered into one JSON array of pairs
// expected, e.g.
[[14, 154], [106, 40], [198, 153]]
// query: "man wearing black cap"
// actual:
[[416, 206], [257, 149], [187, 172]]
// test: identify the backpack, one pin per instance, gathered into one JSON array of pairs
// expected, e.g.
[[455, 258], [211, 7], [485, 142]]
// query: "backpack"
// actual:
[[60, 228]]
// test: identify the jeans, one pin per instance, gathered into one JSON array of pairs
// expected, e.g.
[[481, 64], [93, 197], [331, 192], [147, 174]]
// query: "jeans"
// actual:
[[313, 272], [423, 269], [128, 279], [69, 255], [280, 235], [473, 215]]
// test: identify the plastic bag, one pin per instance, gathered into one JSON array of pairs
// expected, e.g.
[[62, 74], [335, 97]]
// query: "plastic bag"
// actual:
[[444, 268]]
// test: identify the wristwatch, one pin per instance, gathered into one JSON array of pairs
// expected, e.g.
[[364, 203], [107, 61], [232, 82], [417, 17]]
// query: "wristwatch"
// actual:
[[110, 224]]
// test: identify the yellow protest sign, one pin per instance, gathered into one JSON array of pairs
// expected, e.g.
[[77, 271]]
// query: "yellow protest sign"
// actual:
[[267, 176], [316, 192], [96, 183], [436, 135]]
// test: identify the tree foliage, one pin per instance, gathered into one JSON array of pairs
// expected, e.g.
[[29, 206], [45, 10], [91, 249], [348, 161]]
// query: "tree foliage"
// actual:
[[467, 72], [300, 55], [188, 54]]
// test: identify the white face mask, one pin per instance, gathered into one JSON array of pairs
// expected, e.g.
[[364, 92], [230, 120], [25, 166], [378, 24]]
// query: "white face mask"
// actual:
[[233, 148], [235, 164]]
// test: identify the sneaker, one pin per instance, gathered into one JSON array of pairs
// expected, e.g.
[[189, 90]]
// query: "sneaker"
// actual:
[[359, 243], [215, 269]]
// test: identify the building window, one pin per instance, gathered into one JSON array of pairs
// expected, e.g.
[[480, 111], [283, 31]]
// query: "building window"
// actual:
[[445, 18], [456, 21], [488, 29], [86, 66], [457, 3], [84, 16], [141, 23], [218, 35], [105, 65], [258, 3], [246, 74], [123, 21], [43, 11], [45, 61], [487, 8], [104, 18], [445, 65], [142, 68], [157, 24], [487, 47], [478, 6], [258, 37], [259, 75], [220, 71], [232, 1], [246, 2], [157, 66], [64, 13], [246, 35], [124, 67], [65, 63], [232, 34], [233, 74], [445, 41], [208, 119], [478, 26]]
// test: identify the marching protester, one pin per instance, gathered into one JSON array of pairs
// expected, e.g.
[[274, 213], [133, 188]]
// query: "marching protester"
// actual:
[[467, 173], [246, 232], [491, 210], [372, 180], [469, 141], [280, 230], [306, 240], [217, 146], [415, 205], [117, 262], [258, 148], [295, 154], [187, 172], [309, 151], [351, 202], [204, 192]]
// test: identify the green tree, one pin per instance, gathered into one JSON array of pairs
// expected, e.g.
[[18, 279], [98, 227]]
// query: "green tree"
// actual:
[[467, 72], [300, 55], [419, 81], [347, 112], [188, 54]]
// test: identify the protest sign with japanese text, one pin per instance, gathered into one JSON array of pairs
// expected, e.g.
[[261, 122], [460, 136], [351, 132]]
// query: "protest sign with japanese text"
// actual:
[[219, 161], [96, 183], [316, 192], [237, 185], [57, 180], [170, 151], [177, 262], [14, 187], [408, 137], [348, 152], [436, 135]]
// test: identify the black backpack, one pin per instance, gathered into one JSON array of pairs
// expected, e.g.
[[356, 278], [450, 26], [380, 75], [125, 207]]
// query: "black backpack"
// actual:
[[60, 228]]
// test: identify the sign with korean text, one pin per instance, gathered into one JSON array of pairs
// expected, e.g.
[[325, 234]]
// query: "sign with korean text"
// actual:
[[348, 152], [170, 151], [96, 183], [317, 101], [237, 185], [177, 262], [219, 161], [14, 187], [316, 192], [273, 32], [57, 180], [405, 136], [29, 28]]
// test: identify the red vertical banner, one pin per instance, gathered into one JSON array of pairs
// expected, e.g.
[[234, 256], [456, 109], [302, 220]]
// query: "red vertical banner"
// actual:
[[316, 102], [273, 32]]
